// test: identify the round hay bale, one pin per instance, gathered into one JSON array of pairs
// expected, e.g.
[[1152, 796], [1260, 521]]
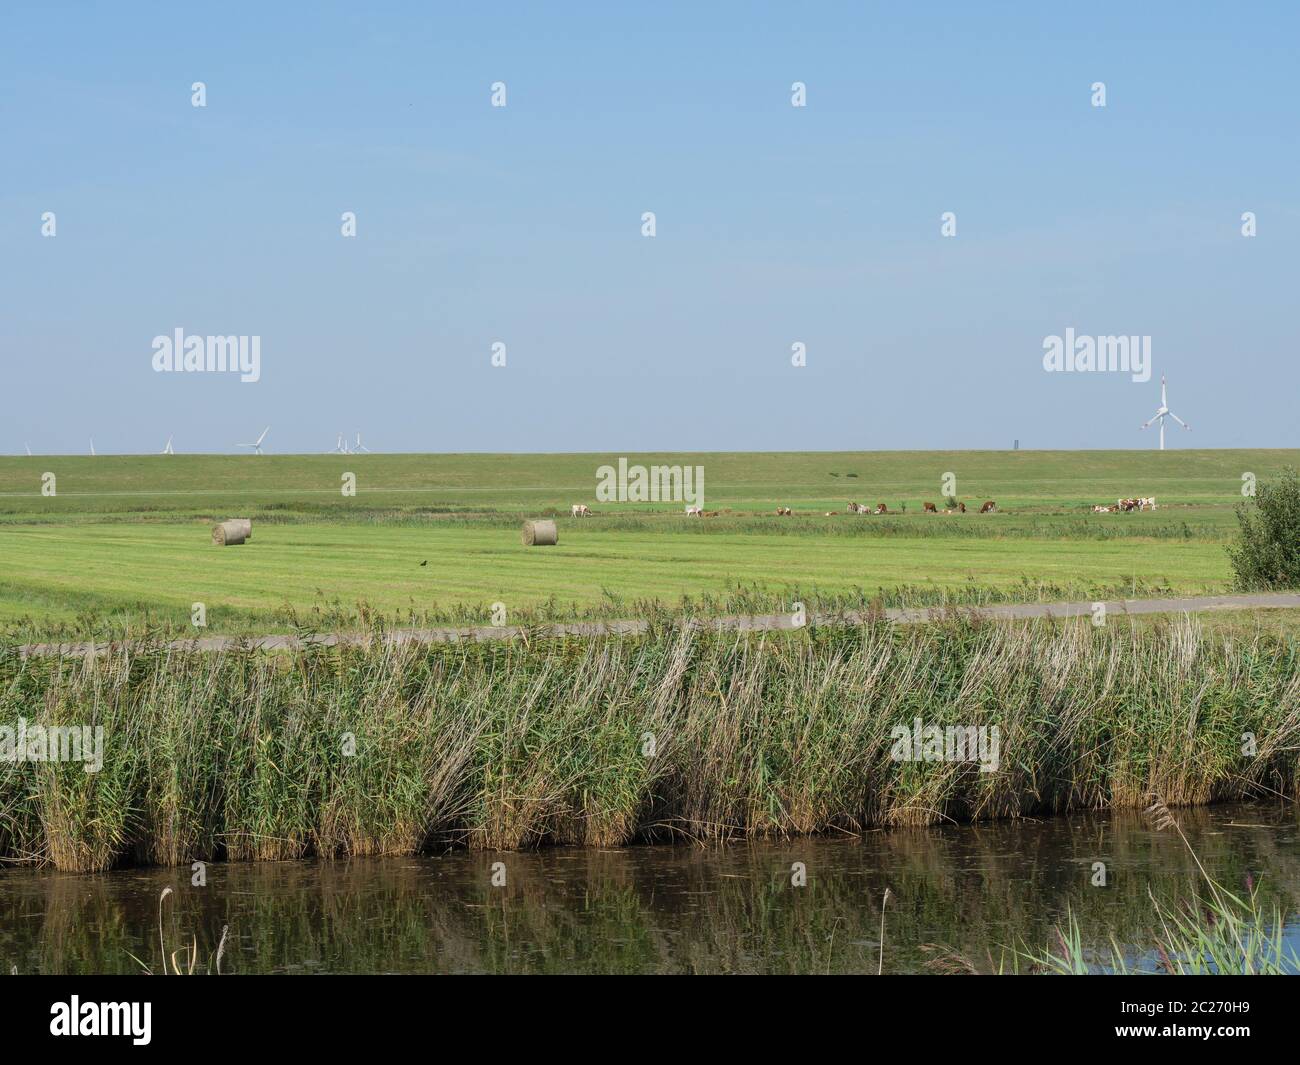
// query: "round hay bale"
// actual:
[[540, 533], [228, 534], [247, 524]]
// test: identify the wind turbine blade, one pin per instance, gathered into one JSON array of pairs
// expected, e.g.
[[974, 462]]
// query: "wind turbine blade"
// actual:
[[1179, 420]]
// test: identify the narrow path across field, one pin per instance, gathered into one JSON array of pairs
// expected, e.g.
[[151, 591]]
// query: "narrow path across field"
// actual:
[[753, 623]]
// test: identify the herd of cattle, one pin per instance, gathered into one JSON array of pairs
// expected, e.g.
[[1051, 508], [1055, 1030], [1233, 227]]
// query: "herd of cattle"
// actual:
[[929, 508], [581, 510], [1141, 503]]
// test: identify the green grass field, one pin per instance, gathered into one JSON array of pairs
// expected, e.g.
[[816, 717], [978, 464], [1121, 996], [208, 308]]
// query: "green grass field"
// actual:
[[125, 541]]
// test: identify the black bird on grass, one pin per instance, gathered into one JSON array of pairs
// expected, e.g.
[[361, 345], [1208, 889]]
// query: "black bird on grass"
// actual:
[[425, 562]]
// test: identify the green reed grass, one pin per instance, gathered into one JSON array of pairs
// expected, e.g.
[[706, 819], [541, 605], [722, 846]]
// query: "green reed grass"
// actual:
[[396, 749]]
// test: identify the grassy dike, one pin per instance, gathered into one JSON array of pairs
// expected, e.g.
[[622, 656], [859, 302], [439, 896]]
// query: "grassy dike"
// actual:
[[244, 755]]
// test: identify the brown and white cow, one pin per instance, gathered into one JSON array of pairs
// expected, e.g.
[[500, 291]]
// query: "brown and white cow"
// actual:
[[881, 508], [989, 507], [581, 510], [930, 508], [784, 512], [694, 512]]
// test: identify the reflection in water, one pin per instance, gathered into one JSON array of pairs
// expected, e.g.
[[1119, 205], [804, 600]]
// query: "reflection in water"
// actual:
[[963, 890]]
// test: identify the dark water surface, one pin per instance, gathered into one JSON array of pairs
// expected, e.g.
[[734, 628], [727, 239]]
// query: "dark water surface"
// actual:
[[964, 891]]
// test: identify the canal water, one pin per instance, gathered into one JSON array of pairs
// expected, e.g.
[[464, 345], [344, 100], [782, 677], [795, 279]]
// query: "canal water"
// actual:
[[960, 897]]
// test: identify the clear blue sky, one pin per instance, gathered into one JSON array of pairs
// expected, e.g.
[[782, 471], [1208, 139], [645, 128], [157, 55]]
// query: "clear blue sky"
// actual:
[[522, 224]]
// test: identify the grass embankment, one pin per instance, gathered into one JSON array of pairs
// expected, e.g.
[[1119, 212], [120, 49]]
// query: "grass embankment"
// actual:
[[758, 481], [606, 741]]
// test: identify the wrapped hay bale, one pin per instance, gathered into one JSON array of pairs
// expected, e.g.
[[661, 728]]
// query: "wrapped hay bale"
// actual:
[[540, 533], [228, 534], [247, 523]]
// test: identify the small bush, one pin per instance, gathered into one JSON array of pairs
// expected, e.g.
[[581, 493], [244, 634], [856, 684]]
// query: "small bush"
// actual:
[[1267, 551]]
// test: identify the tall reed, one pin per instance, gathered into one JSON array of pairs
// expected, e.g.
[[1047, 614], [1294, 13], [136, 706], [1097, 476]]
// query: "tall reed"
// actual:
[[381, 749]]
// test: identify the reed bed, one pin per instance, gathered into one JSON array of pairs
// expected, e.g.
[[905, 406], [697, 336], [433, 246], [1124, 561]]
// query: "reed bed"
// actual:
[[395, 750]]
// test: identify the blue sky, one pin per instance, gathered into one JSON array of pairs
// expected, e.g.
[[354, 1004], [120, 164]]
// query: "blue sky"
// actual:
[[522, 224]]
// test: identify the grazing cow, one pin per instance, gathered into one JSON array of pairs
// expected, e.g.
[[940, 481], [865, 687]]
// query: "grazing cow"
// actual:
[[784, 512], [930, 508], [881, 508], [581, 510], [856, 508], [989, 507], [961, 508], [1137, 503], [694, 512]]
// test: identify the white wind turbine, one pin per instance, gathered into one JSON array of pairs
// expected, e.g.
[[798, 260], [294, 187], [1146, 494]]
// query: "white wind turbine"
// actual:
[[1163, 412], [92, 446], [168, 450], [360, 446], [340, 446], [256, 445], [29, 449]]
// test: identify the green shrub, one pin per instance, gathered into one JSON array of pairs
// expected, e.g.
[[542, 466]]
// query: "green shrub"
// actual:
[[1267, 550]]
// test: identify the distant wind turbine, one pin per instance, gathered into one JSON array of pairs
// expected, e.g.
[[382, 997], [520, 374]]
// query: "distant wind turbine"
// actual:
[[29, 448], [256, 445], [92, 445], [168, 450], [360, 446], [1163, 412], [340, 446]]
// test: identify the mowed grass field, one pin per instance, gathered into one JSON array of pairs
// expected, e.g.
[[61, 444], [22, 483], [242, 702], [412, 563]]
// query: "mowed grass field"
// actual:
[[125, 541]]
